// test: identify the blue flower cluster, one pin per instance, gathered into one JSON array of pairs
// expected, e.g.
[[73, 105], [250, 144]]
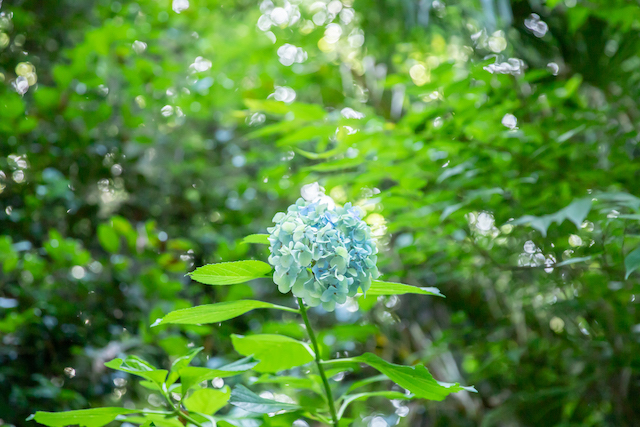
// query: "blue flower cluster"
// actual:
[[323, 254]]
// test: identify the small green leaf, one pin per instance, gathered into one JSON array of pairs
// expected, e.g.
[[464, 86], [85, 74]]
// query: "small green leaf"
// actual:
[[96, 417], [191, 375], [245, 399], [572, 261], [208, 401], [230, 273], [260, 239], [632, 262], [214, 313], [275, 352], [308, 383], [363, 396], [136, 366], [108, 238], [417, 379], [389, 288], [180, 363]]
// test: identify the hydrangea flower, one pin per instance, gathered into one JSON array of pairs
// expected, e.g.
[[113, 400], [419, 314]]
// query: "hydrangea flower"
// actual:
[[321, 252]]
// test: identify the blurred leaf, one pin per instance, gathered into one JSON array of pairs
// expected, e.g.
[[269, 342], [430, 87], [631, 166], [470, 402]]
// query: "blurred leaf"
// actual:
[[261, 239], [632, 262], [108, 238]]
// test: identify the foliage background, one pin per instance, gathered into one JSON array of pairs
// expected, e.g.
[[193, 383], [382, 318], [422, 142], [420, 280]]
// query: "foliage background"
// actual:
[[123, 168]]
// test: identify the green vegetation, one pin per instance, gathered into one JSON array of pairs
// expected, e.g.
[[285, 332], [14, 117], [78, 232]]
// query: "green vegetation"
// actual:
[[492, 145]]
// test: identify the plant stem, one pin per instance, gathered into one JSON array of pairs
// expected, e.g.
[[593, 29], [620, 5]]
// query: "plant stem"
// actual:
[[179, 412], [316, 349]]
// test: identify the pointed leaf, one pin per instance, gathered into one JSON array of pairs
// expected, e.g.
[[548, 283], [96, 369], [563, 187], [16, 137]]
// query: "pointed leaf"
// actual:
[[214, 313], [191, 375], [417, 379], [245, 399], [379, 287], [632, 262], [136, 366], [275, 352], [96, 417], [260, 239], [180, 363], [230, 273], [363, 396], [577, 211], [208, 401]]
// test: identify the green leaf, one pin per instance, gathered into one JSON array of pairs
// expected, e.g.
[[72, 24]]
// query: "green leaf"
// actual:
[[379, 287], [180, 363], [308, 133], [208, 401], [214, 313], [260, 239], [136, 366], [275, 352], [108, 238], [632, 262], [96, 417], [363, 396], [366, 381], [157, 420], [576, 212], [572, 261], [230, 273], [307, 383], [191, 375], [245, 399], [417, 379]]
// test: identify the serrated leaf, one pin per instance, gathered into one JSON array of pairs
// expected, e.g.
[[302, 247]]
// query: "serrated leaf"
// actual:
[[192, 375], [632, 262], [96, 417], [417, 379], [379, 287], [275, 352], [245, 399], [576, 212], [230, 273], [259, 239], [136, 366], [208, 401], [214, 313], [348, 399]]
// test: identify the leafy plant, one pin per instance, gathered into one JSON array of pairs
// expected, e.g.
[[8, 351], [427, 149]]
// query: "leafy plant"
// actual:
[[313, 243]]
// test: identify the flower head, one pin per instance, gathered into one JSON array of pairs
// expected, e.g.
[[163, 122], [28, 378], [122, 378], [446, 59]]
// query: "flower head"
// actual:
[[321, 252]]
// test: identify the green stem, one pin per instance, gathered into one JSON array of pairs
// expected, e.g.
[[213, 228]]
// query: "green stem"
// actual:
[[179, 412], [316, 349]]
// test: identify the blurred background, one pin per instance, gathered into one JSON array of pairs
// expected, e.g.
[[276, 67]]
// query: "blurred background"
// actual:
[[492, 143]]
